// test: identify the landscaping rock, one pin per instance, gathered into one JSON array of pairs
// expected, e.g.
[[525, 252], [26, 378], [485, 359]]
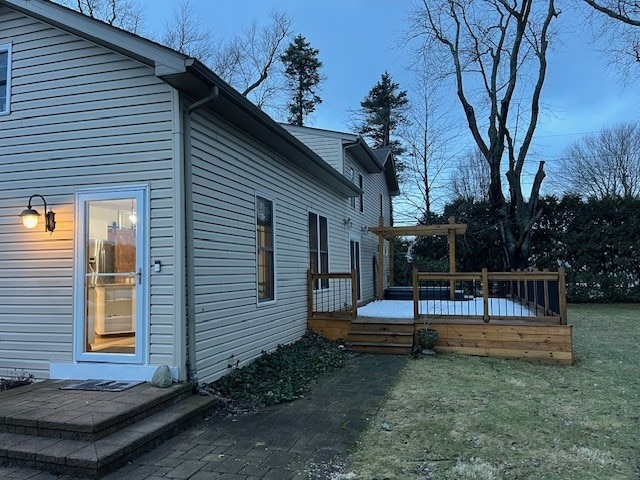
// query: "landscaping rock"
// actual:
[[162, 377]]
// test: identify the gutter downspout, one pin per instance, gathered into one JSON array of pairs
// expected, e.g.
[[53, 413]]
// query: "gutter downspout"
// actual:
[[192, 373]]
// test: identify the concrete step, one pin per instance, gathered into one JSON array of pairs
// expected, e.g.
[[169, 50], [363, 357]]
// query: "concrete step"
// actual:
[[95, 458], [44, 410]]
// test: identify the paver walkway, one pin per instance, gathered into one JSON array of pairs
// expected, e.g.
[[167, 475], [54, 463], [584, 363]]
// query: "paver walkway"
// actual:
[[296, 440]]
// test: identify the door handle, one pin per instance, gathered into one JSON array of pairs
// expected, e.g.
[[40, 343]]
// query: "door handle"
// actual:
[[139, 275]]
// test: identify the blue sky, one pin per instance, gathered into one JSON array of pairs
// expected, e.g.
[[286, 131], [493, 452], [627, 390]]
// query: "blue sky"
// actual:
[[359, 39]]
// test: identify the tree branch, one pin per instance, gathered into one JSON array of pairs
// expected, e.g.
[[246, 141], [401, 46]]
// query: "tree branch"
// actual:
[[622, 17]]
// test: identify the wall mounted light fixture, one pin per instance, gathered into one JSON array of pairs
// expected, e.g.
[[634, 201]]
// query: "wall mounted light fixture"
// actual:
[[346, 222], [30, 216]]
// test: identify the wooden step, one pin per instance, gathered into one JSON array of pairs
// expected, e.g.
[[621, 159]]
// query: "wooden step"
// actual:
[[381, 337], [384, 348], [382, 327]]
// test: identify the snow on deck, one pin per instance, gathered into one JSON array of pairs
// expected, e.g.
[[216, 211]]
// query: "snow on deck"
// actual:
[[404, 308]]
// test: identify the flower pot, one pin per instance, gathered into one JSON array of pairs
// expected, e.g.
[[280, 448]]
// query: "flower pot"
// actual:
[[427, 338]]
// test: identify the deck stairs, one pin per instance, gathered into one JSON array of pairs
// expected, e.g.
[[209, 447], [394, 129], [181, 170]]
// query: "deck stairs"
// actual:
[[88, 433], [374, 335]]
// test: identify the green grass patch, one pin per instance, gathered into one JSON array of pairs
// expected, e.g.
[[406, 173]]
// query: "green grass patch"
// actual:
[[461, 417], [282, 375]]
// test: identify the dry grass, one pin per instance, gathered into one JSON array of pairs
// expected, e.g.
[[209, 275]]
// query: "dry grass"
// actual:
[[457, 417]]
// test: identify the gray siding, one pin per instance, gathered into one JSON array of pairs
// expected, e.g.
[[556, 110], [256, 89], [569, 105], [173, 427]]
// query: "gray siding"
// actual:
[[327, 147], [229, 171], [81, 116]]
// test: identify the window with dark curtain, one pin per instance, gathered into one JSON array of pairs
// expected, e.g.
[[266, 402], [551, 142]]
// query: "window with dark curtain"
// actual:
[[266, 260]]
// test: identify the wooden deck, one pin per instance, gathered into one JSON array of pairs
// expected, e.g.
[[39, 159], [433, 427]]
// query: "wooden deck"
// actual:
[[540, 341], [518, 315]]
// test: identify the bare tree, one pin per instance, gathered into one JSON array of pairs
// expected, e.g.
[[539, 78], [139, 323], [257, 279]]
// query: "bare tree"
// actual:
[[616, 24], [470, 179], [186, 33], [497, 50], [625, 11], [602, 165], [429, 137], [125, 14], [250, 61]]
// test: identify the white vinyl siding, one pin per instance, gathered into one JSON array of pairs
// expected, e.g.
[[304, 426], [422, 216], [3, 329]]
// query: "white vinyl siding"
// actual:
[[230, 169], [5, 78], [81, 116], [329, 148]]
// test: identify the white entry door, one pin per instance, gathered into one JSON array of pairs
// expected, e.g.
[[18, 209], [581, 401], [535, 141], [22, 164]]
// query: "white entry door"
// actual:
[[110, 276]]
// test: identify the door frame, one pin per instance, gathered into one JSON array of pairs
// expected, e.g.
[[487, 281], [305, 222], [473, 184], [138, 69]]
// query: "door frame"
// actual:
[[141, 194]]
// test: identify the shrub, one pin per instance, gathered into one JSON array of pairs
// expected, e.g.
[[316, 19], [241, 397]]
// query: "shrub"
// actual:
[[282, 375]]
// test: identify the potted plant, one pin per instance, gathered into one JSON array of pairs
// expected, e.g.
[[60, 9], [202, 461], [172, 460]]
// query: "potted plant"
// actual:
[[427, 338]]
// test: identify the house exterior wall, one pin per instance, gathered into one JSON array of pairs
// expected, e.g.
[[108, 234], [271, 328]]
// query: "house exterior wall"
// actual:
[[81, 116], [330, 146], [230, 170], [375, 186]]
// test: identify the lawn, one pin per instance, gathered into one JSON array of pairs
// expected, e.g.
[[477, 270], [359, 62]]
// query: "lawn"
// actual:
[[460, 417]]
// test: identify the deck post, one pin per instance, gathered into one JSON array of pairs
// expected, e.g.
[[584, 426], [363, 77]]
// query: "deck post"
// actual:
[[546, 294], [452, 257], [381, 258], [392, 280], [416, 295], [354, 293], [485, 295], [562, 296], [309, 293]]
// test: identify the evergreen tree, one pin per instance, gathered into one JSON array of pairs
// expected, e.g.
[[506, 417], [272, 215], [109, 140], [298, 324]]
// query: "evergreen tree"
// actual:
[[302, 72], [384, 111]]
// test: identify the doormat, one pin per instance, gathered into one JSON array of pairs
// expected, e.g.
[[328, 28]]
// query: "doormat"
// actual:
[[101, 385]]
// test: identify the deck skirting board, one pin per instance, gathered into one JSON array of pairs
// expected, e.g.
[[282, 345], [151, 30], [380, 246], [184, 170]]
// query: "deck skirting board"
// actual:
[[532, 342], [544, 343]]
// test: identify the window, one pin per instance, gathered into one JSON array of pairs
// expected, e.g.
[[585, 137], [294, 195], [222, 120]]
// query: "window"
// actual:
[[5, 77], [266, 258], [318, 248], [361, 185], [352, 178]]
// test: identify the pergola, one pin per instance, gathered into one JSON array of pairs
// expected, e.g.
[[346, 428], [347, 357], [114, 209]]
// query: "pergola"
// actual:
[[450, 229]]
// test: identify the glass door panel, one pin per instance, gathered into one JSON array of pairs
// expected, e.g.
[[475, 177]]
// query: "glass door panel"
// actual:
[[111, 276]]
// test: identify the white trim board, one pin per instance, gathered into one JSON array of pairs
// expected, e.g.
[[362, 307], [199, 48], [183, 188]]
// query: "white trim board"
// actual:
[[87, 371]]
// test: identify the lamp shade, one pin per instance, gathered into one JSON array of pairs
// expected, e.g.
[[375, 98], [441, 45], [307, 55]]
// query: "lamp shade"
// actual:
[[30, 217]]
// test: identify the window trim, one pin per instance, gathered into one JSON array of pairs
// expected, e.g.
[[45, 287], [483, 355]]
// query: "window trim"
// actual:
[[7, 47], [274, 272], [352, 179], [324, 284], [361, 185]]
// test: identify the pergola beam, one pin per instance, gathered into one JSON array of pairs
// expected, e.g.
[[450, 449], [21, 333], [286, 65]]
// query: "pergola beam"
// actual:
[[389, 233], [420, 230]]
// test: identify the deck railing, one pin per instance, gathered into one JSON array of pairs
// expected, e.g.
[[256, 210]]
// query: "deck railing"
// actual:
[[332, 294], [531, 296]]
